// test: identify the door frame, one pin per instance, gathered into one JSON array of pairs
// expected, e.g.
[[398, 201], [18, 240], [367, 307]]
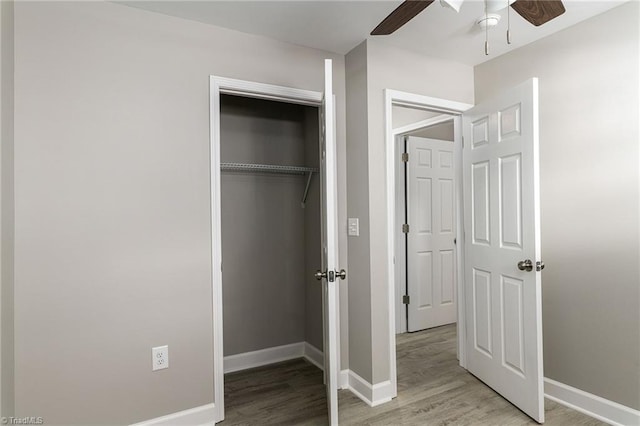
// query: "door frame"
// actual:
[[229, 86], [398, 98]]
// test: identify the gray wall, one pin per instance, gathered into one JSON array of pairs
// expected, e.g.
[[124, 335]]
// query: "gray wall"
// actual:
[[391, 68], [370, 68], [264, 227], [6, 206], [589, 193], [358, 207], [312, 234], [442, 131], [403, 115], [112, 250]]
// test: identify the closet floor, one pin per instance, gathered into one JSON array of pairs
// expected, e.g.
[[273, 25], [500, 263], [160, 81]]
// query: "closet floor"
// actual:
[[432, 390], [286, 393]]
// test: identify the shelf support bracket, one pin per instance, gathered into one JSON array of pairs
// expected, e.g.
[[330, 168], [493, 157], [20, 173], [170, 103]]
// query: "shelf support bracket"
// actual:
[[306, 190]]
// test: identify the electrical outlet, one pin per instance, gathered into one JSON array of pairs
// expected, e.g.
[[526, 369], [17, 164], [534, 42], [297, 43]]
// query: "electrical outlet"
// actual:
[[160, 357]]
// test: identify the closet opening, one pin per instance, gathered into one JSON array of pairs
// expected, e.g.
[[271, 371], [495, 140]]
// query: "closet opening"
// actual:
[[271, 227]]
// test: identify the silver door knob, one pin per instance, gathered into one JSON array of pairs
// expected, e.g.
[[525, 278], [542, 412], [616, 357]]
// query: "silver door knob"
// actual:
[[539, 266], [320, 275], [342, 274], [525, 265]]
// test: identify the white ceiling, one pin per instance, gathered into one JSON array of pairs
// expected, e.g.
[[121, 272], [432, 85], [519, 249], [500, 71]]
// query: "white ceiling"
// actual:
[[339, 26]]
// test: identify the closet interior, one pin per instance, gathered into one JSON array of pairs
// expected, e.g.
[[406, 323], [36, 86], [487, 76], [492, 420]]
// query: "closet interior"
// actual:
[[271, 227]]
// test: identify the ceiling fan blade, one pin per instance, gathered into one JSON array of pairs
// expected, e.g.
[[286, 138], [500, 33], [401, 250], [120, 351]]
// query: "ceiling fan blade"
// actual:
[[539, 12], [403, 14]]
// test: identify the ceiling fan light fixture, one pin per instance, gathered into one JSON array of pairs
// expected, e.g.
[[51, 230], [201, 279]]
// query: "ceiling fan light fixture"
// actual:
[[488, 20], [496, 5], [452, 4]]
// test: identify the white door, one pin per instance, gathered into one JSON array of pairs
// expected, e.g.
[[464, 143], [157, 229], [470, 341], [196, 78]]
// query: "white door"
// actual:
[[329, 275], [502, 246], [431, 234]]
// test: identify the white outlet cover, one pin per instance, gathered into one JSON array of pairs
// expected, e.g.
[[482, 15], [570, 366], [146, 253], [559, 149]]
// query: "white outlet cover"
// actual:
[[160, 357], [353, 227]]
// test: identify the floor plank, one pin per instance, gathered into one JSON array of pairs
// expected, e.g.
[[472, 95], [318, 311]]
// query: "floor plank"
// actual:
[[432, 390]]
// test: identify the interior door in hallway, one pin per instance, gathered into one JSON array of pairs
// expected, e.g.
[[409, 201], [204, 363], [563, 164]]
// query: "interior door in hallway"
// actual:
[[430, 239], [502, 246]]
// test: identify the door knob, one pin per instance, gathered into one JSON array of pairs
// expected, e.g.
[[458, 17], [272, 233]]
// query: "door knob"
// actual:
[[525, 265], [320, 275], [342, 274], [539, 266]]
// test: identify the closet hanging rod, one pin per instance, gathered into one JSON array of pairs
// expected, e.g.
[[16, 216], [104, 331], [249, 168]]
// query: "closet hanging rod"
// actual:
[[269, 168]]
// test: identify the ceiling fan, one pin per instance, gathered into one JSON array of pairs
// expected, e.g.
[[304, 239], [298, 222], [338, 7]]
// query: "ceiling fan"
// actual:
[[537, 12]]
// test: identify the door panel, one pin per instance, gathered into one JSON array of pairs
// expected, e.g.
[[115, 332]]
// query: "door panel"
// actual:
[[431, 218], [330, 246], [501, 208]]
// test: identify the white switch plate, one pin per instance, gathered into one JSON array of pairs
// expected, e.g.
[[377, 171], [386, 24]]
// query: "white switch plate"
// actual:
[[354, 227], [160, 357]]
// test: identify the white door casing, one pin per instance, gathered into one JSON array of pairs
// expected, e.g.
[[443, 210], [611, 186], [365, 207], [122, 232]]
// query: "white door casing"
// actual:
[[502, 227], [330, 245], [431, 256], [223, 85]]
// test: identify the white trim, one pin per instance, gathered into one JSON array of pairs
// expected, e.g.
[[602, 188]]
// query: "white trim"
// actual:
[[344, 379], [591, 405], [314, 355], [382, 392], [400, 249], [460, 295], [200, 416], [391, 98], [428, 103], [419, 125], [250, 89], [372, 395], [360, 387], [253, 359], [218, 85], [262, 357]]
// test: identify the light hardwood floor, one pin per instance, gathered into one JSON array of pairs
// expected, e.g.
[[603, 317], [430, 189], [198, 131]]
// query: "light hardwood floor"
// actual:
[[432, 390]]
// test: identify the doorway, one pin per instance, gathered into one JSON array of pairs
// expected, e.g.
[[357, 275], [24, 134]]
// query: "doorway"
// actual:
[[499, 311], [431, 111], [426, 218], [328, 275]]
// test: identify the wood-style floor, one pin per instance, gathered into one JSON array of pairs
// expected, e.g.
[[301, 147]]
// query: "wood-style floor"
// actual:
[[432, 390]]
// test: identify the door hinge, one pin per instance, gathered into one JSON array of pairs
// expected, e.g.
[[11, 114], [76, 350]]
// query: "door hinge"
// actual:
[[463, 141], [405, 228], [405, 299], [405, 157]]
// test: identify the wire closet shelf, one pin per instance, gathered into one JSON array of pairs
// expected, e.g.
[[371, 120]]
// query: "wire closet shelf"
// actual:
[[272, 168], [268, 168]]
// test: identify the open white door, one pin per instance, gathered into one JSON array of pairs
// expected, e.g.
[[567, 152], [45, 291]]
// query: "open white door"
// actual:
[[331, 274], [503, 305], [431, 233]]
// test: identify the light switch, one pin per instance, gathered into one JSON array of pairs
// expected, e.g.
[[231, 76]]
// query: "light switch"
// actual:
[[354, 227]]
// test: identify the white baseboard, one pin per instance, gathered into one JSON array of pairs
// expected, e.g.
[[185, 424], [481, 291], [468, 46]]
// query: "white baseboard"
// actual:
[[591, 405], [314, 355], [344, 379], [198, 416], [262, 357], [268, 356], [382, 392], [372, 395]]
